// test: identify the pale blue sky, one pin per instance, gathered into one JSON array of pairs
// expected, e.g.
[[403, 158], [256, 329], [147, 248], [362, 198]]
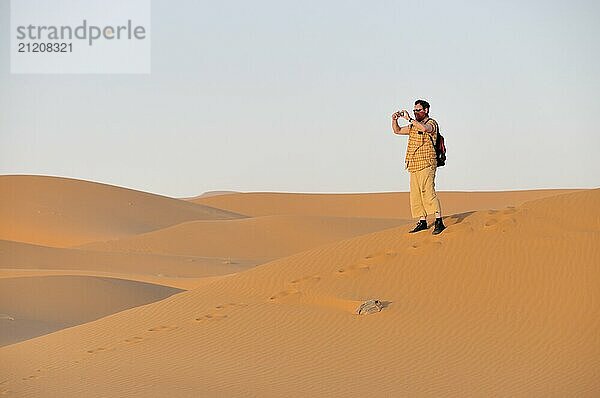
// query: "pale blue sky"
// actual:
[[297, 97]]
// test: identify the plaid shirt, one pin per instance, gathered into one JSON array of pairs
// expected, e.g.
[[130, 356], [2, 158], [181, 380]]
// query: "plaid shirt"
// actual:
[[420, 152]]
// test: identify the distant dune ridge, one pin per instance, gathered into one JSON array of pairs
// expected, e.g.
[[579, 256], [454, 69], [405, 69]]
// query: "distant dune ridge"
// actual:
[[63, 212], [505, 302], [265, 237], [370, 205], [210, 193]]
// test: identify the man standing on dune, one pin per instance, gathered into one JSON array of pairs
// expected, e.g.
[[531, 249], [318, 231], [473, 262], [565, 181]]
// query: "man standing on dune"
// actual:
[[421, 162]]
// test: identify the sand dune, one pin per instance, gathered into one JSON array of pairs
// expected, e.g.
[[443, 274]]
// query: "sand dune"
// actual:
[[181, 257], [259, 238], [504, 303], [22, 256], [374, 205], [34, 306], [62, 212]]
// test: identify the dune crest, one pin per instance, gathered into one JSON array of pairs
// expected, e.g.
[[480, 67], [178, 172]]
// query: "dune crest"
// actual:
[[57, 303]]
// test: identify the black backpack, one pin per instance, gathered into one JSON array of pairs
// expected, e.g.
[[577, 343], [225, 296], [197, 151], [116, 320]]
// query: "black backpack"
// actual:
[[440, 147]]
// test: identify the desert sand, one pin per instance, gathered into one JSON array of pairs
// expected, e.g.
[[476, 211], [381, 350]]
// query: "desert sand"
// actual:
[[111, 292]]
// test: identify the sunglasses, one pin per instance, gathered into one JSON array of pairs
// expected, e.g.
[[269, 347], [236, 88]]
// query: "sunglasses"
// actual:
[[418, 110]]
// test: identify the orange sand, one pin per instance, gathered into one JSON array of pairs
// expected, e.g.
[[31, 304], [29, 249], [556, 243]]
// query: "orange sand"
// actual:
[[505, 302]]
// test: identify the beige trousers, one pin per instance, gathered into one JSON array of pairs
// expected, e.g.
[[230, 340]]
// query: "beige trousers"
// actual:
[[423, 199]]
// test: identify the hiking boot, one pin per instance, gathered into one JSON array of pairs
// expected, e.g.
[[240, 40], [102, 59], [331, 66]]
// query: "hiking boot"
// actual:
[[421, 226], [439, 226]]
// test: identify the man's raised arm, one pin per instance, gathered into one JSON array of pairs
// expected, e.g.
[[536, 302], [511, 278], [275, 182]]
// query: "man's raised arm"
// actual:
[[397, 129]]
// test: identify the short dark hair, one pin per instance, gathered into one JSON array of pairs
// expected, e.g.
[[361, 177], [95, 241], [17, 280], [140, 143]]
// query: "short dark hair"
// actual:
[[423, 103]]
